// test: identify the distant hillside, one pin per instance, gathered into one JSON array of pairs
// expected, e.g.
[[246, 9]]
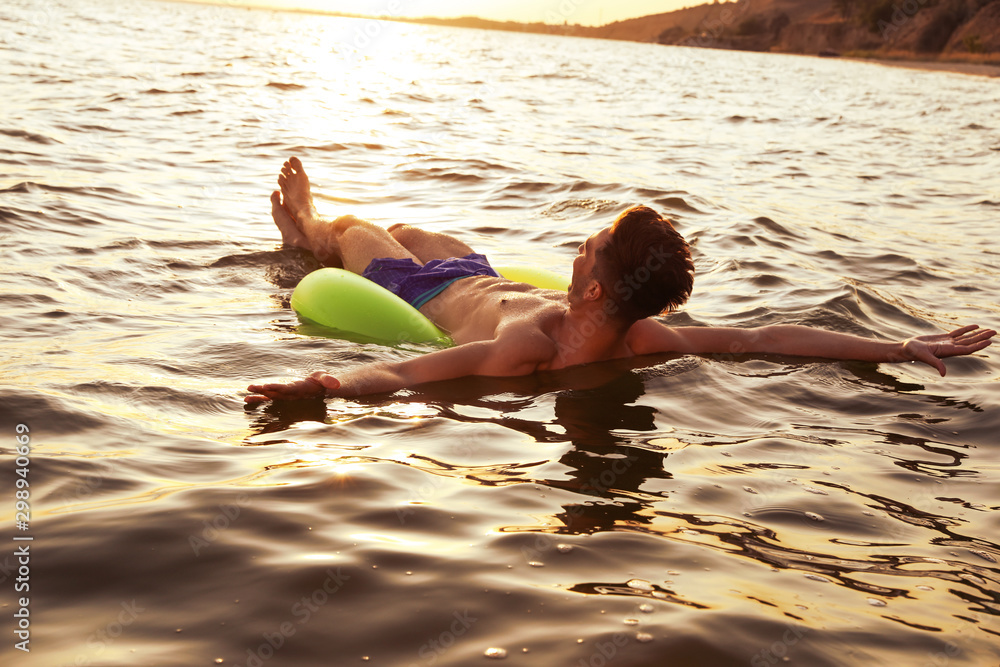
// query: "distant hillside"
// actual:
[[709, 18], [950, 29], [878, 27]]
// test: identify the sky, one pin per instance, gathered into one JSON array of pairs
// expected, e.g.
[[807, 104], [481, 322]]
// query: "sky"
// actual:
[[586, 12]]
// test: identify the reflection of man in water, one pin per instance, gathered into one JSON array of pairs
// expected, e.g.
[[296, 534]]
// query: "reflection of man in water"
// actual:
[[623, 275]]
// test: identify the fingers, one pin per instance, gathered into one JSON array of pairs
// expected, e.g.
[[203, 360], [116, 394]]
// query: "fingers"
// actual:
[[960, 342], [963, 330], [261, 393], [967, 343], [969, 348], [971, 338], [314, 386]]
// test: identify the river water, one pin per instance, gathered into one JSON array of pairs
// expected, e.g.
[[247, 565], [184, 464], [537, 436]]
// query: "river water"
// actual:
[[691, 511]]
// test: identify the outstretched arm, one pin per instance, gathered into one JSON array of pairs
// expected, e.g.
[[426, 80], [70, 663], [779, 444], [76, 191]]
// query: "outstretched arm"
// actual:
[[497, 358], [808, 342]]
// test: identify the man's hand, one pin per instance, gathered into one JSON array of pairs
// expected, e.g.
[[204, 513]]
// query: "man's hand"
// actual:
[[935, 347], [315, 386]]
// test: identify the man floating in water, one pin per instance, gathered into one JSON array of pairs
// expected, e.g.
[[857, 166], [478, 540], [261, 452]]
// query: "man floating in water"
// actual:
[[622, 276]]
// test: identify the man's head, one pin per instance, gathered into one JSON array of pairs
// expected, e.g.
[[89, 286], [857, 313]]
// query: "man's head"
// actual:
[[639, 266]]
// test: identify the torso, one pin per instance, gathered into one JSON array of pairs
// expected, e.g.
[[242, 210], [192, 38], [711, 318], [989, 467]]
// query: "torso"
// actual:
[[480, 307], [486, 308]]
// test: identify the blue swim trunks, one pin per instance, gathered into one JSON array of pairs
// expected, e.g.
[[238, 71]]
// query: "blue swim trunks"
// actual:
[[418, 284]]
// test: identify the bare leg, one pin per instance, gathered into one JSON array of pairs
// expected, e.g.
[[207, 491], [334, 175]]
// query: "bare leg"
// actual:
[[346, 241], [428, 245], [291, 235]]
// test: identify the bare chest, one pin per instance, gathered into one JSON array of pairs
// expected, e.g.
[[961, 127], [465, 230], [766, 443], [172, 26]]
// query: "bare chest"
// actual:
[[476, 309]]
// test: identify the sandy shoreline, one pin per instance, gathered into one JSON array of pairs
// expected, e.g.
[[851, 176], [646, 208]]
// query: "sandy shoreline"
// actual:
[[973, 69]]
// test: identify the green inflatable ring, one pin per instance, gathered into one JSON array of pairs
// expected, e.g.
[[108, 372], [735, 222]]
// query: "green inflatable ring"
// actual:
[[542, 278], [346, 302]]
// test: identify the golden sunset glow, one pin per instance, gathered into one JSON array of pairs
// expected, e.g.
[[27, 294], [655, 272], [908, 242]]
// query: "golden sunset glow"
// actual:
[[584, 12]]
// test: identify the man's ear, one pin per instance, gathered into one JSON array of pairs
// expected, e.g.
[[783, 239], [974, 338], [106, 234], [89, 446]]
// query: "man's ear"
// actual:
[[594, 291]]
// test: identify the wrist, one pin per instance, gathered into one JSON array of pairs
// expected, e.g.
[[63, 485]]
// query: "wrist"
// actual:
[[898, 353]]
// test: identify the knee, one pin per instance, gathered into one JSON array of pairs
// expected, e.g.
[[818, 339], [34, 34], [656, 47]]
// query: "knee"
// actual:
[[403, 233], [346, 223], [353, 234]]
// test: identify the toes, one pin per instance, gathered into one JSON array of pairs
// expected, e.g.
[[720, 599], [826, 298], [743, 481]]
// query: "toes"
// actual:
[[276, 198], [297, 165], [283, 181]]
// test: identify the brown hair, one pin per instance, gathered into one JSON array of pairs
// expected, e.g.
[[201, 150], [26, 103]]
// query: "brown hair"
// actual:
[[645, 268]]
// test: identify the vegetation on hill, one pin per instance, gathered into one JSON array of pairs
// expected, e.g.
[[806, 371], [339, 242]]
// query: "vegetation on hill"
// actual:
[[949, 28], [946, 29]]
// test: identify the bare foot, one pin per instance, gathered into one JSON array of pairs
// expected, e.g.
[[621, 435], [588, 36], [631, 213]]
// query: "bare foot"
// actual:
[[295, 192], [291, 235]]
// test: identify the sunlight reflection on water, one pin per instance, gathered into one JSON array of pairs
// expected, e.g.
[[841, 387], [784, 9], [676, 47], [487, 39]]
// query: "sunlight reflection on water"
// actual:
[[701, 508]]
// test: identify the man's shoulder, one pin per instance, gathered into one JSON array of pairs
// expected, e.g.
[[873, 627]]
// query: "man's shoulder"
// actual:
[[648, 336]]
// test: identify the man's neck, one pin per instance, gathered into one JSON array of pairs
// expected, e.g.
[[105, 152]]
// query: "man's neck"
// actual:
[[588, 335]]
